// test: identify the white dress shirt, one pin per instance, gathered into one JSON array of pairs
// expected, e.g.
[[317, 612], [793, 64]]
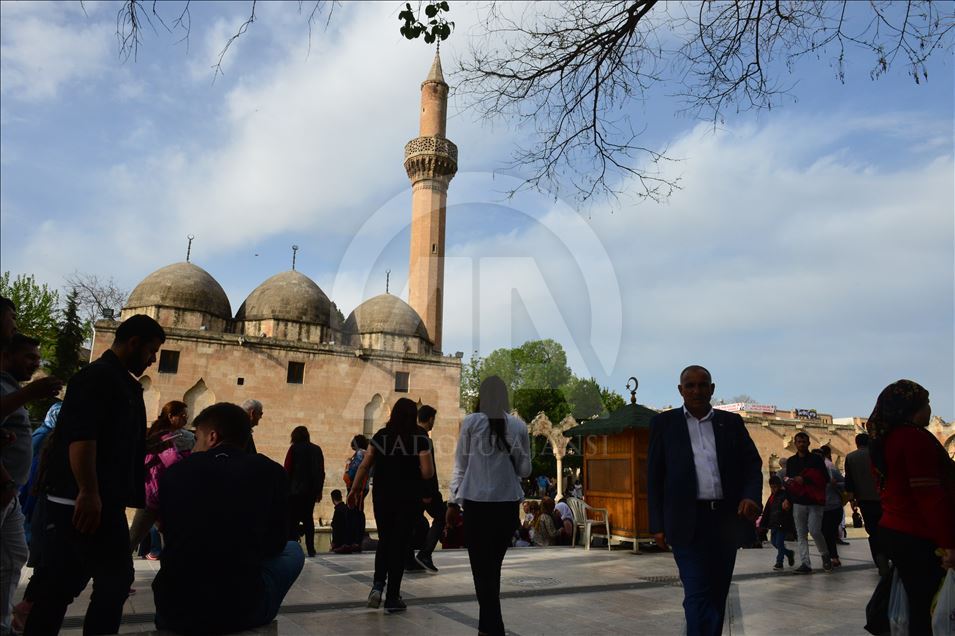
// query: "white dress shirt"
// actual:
[[483, 472], [708, 485]]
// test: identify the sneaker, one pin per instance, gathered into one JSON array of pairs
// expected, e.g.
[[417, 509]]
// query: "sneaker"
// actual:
[[393, 605], [827, 564], [424, 560], [413, 566], [842, 542], [778, 566], [152, 556], [791, 557], [803, 569], [374, 597]]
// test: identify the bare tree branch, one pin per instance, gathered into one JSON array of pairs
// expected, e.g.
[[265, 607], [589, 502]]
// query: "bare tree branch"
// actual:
[[97, 298]]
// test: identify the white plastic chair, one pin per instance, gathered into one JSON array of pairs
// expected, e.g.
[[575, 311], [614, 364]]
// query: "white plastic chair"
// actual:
[[600, 517]]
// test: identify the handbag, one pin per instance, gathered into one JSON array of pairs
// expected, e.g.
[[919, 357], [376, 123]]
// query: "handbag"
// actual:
[[898, 607], [856, 519], [877, 609], [943, 617]]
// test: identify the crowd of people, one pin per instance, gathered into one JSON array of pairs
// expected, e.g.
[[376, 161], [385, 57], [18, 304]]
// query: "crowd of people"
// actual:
[[225, 522]]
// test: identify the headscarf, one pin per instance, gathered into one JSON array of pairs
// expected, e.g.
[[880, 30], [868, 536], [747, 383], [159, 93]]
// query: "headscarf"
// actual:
[[896, 405]]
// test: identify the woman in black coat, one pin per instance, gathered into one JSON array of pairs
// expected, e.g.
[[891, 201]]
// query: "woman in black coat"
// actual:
[[305, 464]]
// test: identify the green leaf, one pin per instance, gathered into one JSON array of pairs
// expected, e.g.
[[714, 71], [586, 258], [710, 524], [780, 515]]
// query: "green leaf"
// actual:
[[429, 38], [444, 6], [431, 10]]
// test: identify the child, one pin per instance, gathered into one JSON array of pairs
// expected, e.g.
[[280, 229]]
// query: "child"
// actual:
[[341, 542], [778, 518]]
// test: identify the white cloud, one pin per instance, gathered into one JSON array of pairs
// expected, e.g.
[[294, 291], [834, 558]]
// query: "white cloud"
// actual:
[[42, 50]]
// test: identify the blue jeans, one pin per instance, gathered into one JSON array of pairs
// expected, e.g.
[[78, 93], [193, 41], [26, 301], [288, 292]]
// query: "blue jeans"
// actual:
[[706, 570], [278, 574], [777, 536]]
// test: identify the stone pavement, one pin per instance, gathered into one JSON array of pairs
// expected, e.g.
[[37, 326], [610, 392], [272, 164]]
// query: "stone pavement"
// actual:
[[552, 591]]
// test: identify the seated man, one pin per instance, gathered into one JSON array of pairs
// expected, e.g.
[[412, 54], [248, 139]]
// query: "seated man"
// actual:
[[227, 562], [564, 520]]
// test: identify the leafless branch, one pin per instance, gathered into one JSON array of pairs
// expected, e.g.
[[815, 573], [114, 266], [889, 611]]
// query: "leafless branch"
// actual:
[[97, 298], [235, 36]]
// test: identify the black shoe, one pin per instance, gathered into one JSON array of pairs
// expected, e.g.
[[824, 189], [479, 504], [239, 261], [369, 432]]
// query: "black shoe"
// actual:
[[393, 605], [842, 542], [791, 557], [827, 565], [803, 569], [413, 566], [374, 597], [778, 566], [424, 560]]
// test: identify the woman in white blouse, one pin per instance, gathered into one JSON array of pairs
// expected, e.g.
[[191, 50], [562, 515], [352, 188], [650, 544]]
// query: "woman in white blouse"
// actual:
[[492, 456]]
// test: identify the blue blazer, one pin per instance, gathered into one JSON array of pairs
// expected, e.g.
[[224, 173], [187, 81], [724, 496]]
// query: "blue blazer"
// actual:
[[671, 473]]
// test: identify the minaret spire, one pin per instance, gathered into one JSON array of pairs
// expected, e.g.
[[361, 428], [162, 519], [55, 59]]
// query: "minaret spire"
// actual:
[[431, 161]]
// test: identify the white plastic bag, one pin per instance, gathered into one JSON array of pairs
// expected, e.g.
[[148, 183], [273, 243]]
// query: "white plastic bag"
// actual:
[[898, 608], [943, 619]]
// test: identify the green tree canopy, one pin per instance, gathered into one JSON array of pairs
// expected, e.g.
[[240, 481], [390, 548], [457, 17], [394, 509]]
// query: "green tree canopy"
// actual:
[[37, 308], [69, 340]]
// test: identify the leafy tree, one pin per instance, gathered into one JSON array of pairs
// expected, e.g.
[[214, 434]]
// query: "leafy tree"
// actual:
[[611, 400], [436, 29], [36, 308], [742, 397], [69, 340]]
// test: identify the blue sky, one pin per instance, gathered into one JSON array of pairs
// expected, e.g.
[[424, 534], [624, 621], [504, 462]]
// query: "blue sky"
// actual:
[[808, 259]]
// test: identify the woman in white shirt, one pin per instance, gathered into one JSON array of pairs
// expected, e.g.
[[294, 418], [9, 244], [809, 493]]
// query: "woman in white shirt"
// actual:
[[492, 456]]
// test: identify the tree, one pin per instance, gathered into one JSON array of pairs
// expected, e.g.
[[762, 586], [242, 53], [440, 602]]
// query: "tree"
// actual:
[[572, 70], [96, 298], [69, 340], [36, 308], [611, 399], [742, 397]]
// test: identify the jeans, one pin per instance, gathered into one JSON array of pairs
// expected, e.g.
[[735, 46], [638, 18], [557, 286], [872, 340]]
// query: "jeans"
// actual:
[[395, 524], [13, 556], [777, 537], [809, 522], [706, 570], [437, 510], [488, 526], [278, 574], [73, 559], [830, 530], [921, 573], [142, 525]]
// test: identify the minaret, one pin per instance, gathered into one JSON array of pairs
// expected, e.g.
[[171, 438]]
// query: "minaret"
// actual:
[[430, 161]]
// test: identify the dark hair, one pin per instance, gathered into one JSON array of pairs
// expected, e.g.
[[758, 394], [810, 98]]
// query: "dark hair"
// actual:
[[404, 417], [141, 326], [426, 412], [359, 441], [862, 439], [336, 495], [300, 434], [826, 451], [228, 420], [6, 303], [20, 342], [696, 367], [774, 480], [493, 402], [801, 434], [163, 423]]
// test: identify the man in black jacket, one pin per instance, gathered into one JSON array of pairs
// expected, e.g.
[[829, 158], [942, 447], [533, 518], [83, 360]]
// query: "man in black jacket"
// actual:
[[227, 562], [431, 499], [704, 478], [94, 470]]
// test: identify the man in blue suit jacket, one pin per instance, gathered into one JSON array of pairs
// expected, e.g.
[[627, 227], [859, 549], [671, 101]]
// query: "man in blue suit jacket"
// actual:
[[704, 479]]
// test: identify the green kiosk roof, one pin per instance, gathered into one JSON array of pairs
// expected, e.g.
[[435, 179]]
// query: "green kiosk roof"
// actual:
[[629, 416]]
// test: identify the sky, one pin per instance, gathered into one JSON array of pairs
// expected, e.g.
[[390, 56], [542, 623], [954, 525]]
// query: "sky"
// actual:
[[808, 258]]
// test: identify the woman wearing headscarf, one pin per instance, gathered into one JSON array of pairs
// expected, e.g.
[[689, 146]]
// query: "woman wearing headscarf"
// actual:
[[305, 464], [492, 456], [401, 456], [917, 479]]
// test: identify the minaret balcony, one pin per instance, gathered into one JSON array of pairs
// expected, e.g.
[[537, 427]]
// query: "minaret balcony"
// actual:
[[430, 157]]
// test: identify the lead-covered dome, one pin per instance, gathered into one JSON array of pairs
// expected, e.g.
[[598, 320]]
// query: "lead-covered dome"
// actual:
[[181, 286], [289, 296], [386, 314]]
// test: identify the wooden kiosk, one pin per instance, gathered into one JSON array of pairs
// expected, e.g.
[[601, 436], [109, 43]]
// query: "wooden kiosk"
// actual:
[[614, 449]]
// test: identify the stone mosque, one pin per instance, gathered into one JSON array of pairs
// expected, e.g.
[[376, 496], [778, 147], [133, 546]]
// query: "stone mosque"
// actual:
[[286, 346]]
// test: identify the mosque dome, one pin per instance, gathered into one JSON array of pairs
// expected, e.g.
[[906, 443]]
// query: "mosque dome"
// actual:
[[386, 314], [182, 286], [290, 296]]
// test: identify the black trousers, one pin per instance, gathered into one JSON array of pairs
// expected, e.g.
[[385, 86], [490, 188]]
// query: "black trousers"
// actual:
[[871, 513], [830, 530], [921, 573], [395, 524], [488, 528], [73, 559], [437, 510], [302, 519]]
